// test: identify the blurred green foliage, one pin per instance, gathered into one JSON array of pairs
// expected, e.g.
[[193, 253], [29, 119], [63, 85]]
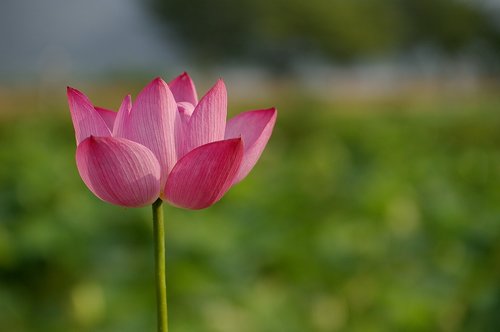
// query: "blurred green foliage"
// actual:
[[381, 216], [278, 31]]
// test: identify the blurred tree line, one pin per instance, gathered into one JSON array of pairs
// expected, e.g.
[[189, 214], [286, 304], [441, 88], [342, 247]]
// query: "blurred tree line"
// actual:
[[278, 32]]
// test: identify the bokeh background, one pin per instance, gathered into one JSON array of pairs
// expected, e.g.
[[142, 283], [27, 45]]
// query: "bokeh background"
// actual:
[[375, 207]]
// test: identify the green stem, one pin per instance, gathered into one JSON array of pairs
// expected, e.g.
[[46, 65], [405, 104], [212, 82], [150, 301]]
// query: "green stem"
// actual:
[[161, 286]]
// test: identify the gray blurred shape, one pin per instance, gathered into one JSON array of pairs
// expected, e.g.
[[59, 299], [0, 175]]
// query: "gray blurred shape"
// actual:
[[78, 37]]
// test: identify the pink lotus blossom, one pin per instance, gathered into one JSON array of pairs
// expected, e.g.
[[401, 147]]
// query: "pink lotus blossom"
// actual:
[[167, 144]]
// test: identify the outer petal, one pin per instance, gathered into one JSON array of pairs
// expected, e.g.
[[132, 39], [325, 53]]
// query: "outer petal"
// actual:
[[208, 121], [204, 175], [86, 119], [255, 128], [119, 171], [122, 116], [183, 89], [108, 116], [152, 123]]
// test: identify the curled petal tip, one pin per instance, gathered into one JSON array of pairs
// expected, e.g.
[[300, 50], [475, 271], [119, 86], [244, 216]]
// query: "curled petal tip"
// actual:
[[156, 82], [71, 91], [183, 89], [220, 85], [159, 81], [220, 82], [127, 102], [271, 112], [218, 88]]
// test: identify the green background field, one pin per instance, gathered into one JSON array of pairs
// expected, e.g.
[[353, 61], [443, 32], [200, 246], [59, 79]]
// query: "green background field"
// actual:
[[362, 215]]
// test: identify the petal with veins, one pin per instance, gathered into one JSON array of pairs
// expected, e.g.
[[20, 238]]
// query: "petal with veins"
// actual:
[[152, 123], [255, 129], [185, 110], [208, 121], [183, 89], [108, 116], [119, 171], [86, 120], [204, 175], [122, 116]]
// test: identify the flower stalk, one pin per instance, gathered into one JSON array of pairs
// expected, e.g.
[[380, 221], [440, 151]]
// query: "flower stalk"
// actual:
[[170, 144], [159, 248]]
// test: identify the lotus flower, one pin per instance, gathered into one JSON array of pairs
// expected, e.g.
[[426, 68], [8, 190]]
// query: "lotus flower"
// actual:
[[167, 145]]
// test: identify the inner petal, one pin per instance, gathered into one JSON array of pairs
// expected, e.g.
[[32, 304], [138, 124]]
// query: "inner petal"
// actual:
[[185, 110]]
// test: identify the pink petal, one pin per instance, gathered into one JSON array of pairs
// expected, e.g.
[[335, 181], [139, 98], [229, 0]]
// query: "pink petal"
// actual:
[[208, 121], [255, 129], [204, 175], [185, 110], [183, 89], [122, 116], [107, 115], [86, 120], [152, 123], [119, 171]]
